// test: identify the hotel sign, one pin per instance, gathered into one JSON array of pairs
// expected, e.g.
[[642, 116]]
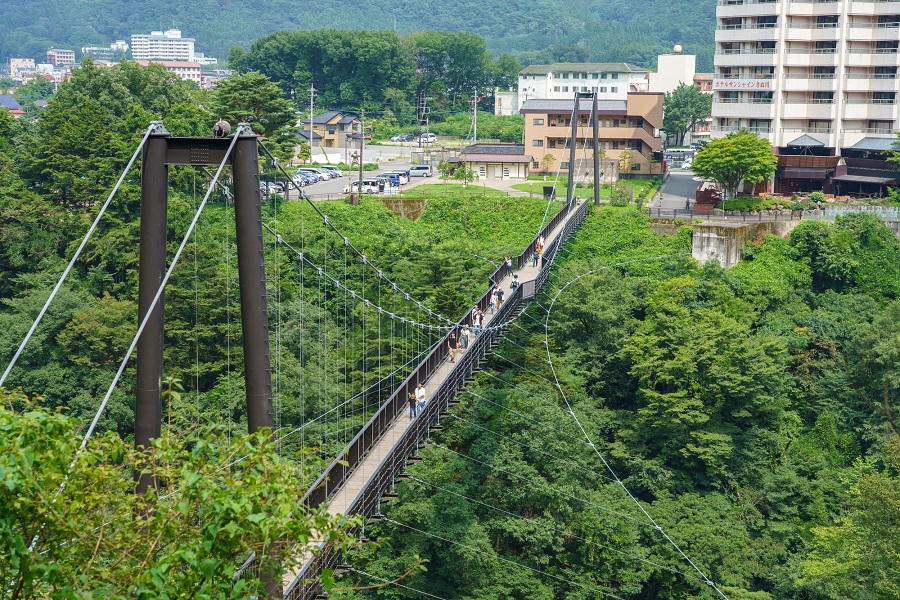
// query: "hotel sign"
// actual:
[[742, 84]]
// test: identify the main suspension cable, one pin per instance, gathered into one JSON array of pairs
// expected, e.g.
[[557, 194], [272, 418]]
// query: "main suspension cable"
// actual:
[[155, 126]]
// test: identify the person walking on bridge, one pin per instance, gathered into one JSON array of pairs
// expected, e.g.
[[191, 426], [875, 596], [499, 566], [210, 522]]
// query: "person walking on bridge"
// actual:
[[413, 405], [421, 397], [452, 345], [535, 257], [508, 263]]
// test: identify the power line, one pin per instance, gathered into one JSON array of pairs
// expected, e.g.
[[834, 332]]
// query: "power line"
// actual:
[[703, 575]]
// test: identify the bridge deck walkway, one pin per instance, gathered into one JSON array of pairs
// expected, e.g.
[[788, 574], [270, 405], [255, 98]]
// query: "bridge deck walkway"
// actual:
[[359, 479]]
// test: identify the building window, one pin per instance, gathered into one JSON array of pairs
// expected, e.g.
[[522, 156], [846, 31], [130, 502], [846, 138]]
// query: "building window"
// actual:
[[594, 89], [614, 89], [603, 89], [551, 143], [556, 88], [537, 122], [535, 165], [596, 76], [564, 76], [603, 76], [537, 142], [883, 97], [482, 171], [564, 165], [614, 76], [635, 166], [506, 171], [608, 123], [565, 88]]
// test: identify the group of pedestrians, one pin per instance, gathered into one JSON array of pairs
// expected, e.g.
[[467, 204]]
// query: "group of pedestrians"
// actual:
[[496, 298], [417, 399]]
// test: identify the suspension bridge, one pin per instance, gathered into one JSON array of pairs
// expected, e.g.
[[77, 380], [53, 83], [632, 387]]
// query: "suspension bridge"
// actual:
[[396, 341]]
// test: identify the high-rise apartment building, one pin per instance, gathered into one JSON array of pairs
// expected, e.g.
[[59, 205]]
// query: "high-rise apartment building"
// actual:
[[162, 45], [814, 77]]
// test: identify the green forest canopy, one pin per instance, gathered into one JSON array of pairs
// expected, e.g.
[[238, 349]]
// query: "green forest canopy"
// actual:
[[539, 32]]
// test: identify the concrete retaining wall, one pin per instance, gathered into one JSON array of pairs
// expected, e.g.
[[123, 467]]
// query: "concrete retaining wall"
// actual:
[[725, 241]]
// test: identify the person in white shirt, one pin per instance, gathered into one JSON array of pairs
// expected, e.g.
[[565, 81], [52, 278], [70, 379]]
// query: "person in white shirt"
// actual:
[[421, 396]]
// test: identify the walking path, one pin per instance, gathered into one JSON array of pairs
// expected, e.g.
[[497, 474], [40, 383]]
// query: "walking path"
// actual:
[[359, 479]]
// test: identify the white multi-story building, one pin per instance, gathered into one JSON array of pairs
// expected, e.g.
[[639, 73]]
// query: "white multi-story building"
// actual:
[[826, 70], [162, 45], [185, 70], [818, 79], [611, 81]]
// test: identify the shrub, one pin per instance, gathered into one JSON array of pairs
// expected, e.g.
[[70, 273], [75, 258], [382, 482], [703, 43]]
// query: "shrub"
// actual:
[[817, 196], [619, 196]]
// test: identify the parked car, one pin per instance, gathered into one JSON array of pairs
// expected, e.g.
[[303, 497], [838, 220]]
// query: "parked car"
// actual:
[[421, 171], [309, 175], [403, 173], [315, 173], [369, 186], [404, 137], [267, 187], [337, 172], [427, 138], [392, 178], [305, 178]]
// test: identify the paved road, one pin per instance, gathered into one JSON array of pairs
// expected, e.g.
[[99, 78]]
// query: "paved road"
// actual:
[[679, 186]]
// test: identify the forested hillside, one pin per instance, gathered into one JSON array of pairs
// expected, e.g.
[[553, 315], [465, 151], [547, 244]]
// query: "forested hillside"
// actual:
[[748, 412], [751, 412], [542, 31]]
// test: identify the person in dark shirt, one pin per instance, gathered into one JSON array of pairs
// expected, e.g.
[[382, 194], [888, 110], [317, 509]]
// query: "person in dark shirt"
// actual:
[[452, 344], [413, 405]]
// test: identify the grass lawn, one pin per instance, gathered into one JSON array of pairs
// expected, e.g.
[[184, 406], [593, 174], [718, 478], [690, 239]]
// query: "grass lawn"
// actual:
[[537, 188], [456, 189]]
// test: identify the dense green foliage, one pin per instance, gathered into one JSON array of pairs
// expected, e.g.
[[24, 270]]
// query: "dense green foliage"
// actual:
[[684, 107], [747, 411], [544, 32], [67, 517], [738, 158]]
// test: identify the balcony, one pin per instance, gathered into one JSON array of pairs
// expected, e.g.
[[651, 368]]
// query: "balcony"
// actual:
[[748, 8], [876, 7], [812, 58], [880, 57], [872, 83], [812, 32], [746, 108], [870, 110], [808, 109], [746, 33], [811, 7], [746, 58], [870, 32], [809, 82]]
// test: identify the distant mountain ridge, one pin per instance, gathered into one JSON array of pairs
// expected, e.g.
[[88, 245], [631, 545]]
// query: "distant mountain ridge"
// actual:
[[633, 31]]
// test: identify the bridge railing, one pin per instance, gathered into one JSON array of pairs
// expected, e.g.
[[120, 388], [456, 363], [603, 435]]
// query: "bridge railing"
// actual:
[[307, 583], [558, 218]]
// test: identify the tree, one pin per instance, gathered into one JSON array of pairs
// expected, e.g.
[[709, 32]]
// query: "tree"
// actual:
[[684, 107], [739, 156], [547, 162], [77, 511], [253, 98], [857, 557], [626, 161]]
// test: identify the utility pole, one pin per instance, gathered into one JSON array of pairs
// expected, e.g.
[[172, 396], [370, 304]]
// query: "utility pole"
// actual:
[[475, 100], [312, 95]]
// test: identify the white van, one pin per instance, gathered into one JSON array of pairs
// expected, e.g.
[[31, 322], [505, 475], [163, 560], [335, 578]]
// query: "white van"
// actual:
[[421, 171], [369, 186]]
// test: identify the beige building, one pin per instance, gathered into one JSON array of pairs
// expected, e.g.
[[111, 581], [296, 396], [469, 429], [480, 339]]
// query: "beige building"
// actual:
[[334, 129], [188, 71], [495, 161], [631, 124], [60, 58]]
